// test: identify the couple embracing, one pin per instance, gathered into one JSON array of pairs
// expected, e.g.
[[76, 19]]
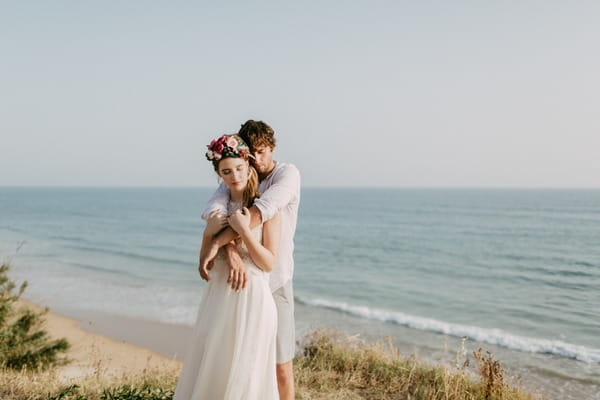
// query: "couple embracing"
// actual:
[[243, 342]]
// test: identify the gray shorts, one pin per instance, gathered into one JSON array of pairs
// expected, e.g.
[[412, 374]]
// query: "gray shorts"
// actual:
[[286, 329]]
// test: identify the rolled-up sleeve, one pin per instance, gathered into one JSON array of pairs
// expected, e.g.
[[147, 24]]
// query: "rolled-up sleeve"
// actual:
[[284, 190], [218, 201]]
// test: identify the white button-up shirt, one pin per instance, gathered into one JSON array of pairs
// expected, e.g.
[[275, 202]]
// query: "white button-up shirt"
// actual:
[[280, 192]]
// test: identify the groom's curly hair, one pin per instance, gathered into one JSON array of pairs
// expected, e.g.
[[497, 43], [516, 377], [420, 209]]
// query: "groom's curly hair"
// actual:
[[257, 134]]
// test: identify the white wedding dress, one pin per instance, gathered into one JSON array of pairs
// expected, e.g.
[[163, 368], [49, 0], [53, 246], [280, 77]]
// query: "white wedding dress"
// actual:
[[232, 350]]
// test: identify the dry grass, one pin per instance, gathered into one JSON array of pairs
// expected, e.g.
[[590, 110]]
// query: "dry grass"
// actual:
[[331, 366], [48, 385], [336, 367]]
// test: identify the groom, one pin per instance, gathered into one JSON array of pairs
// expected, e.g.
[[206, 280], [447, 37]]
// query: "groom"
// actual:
[[280, 192]]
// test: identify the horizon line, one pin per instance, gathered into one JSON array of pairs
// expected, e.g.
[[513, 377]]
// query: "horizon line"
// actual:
[[303, 187]]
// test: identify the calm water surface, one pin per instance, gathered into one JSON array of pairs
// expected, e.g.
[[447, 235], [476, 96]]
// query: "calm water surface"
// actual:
[[517, 271]]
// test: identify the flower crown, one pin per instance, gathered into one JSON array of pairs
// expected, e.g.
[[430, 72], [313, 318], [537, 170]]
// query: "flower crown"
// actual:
[[227, 146]]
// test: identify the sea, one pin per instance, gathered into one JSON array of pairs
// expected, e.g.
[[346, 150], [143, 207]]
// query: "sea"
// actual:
[[439, 272]]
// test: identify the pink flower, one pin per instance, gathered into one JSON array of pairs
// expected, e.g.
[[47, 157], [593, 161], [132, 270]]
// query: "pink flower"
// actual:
[[232, 142]]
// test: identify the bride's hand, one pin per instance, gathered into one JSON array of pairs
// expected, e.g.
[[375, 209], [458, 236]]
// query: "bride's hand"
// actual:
[[240, 220], [215, 223]]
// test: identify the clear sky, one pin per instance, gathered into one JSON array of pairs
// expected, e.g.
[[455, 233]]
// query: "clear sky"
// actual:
[[360, 93]]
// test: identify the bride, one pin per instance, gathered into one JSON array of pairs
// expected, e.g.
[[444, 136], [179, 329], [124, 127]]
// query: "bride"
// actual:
[[232, 351]]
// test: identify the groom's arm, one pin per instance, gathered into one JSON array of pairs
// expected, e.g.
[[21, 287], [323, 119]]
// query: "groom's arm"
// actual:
[[227, 235], [218, 202], [237, 268], [284, 190]]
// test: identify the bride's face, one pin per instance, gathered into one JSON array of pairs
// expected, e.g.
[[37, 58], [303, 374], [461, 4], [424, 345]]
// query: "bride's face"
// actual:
[[234, 172]]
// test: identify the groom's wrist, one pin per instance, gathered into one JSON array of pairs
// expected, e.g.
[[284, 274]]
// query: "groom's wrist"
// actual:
[[230, 248]]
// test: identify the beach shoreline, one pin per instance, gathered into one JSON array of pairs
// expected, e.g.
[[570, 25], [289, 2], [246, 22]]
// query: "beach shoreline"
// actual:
[[128, 345], [168, 340], [96, 350], [110, 345], [127, 271]]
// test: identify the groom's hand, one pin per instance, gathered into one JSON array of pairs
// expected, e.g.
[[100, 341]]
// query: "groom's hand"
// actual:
[[237, 268]]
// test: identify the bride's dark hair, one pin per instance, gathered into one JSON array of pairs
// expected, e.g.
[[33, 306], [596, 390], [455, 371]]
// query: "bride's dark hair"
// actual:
[[239, 150]]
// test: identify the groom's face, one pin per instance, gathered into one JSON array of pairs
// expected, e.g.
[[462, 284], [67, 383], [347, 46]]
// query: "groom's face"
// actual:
[[263, 159]]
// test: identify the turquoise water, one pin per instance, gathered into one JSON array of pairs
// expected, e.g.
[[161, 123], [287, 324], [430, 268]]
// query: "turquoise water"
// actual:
[[518, 270]]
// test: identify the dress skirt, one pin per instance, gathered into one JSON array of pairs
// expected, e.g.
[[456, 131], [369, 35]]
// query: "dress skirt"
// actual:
[[232, 350]]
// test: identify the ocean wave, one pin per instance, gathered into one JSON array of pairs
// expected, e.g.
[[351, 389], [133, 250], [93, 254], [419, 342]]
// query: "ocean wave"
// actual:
[[486, 335], [65, 238], [11, 228], [128, 254], [108, 270]]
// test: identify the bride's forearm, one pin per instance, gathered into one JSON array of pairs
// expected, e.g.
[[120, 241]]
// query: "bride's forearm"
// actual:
[[227, 235], [224, 237], [260, 255]]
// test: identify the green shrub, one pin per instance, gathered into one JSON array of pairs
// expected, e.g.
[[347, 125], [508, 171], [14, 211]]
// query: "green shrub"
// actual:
[[23, 344], [124, 392], [132, 393]]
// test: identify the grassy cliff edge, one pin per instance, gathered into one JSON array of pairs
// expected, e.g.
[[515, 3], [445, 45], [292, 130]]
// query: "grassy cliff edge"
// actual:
[[329, 366]]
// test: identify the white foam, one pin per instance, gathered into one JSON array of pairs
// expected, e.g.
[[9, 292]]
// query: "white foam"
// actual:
[[485, 335]]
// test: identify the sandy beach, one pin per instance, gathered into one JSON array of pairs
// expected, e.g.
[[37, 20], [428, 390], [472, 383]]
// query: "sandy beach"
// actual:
[[103, 345], [132, 350], [114, 346]]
